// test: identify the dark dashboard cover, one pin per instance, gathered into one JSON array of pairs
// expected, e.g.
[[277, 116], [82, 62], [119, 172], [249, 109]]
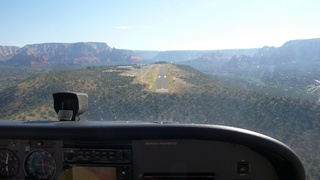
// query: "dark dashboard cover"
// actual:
[[284, 159]]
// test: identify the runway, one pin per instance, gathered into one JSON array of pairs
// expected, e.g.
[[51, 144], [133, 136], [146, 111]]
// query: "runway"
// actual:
[[162, 82]]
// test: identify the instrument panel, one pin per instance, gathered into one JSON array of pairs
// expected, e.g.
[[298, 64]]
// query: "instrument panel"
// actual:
[[30, 159], [142, 151]]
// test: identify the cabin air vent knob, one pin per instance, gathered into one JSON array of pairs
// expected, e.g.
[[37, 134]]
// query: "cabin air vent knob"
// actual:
[[69, 105]]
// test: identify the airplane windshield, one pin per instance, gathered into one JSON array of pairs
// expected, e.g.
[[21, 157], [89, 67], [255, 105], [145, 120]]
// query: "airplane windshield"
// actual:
[[247, 64]]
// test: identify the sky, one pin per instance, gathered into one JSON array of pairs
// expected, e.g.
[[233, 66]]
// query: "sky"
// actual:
[[160, 24]]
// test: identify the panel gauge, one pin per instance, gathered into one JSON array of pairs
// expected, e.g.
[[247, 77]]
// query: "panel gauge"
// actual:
[[40, 165], [9, 163]]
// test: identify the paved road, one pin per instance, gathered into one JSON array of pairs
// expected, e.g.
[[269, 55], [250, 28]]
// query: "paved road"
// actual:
[[162, 83]]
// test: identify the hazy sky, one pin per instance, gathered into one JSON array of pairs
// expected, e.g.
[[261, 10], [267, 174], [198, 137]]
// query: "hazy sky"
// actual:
[[161, 24]]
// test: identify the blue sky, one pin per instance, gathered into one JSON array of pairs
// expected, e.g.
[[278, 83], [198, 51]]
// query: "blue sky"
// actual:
[[161, 24]]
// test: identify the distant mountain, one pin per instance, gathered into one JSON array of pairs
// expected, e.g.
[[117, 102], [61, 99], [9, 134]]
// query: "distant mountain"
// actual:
[[94, 53], [294, 58], [196, 57], [212, 61], [177, 56], [83, 53], [6, 52], [147, 55], [297, 56]]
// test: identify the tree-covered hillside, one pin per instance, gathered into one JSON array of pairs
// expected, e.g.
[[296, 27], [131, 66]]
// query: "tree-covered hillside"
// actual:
[[116, 96]]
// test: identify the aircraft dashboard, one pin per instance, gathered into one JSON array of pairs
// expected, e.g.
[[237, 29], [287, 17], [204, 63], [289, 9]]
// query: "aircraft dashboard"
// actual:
[[42, 150]]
